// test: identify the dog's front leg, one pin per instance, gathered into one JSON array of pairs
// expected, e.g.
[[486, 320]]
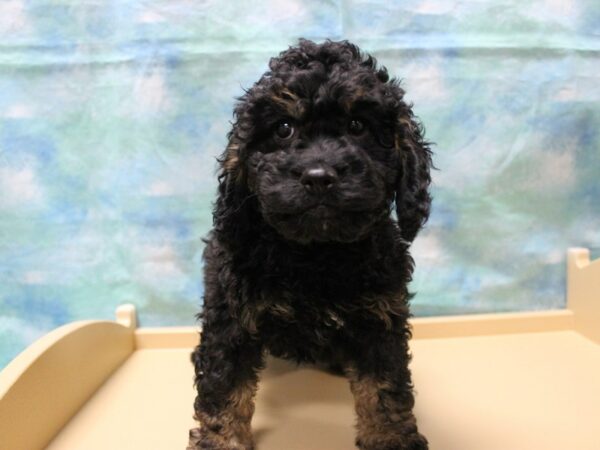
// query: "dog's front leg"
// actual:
[[226, 364], [381, 384]]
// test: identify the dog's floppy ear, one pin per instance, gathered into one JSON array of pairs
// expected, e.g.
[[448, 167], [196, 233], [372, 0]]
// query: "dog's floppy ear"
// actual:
[[412, 186], [232, 191]]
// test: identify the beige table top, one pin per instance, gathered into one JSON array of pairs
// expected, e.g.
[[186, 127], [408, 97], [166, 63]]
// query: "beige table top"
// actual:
[[509, 392]]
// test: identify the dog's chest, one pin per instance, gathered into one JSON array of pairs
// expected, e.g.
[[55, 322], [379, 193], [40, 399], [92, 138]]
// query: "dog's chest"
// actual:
[[305, 334], [302, 303], [306, 328], [317, 316]]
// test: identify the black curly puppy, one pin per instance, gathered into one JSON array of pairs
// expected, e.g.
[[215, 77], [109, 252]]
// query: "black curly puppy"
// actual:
[[305, 261]]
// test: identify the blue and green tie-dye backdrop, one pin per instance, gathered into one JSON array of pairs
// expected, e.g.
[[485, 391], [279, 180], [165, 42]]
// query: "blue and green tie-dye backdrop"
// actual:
[[112, 113]]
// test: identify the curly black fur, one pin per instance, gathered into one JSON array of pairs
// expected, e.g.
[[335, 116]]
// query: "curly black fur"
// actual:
[[305, 260]]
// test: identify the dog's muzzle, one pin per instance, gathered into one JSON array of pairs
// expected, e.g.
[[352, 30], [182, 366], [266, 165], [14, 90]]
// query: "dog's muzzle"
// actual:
[[323, 192]]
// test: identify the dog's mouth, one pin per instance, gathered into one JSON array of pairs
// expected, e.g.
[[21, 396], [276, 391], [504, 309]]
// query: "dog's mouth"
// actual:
[[324, 223], [322, 211], [320, 217]]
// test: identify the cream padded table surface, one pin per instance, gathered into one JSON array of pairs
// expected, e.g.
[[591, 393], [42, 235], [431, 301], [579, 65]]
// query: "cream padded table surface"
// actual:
[[522, 381]]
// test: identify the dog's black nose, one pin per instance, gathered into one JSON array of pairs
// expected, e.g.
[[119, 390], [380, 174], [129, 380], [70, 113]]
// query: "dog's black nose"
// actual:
[[318, 180]]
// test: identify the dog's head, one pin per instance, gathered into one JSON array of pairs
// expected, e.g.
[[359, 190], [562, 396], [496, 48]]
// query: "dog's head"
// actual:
[[321, 148]]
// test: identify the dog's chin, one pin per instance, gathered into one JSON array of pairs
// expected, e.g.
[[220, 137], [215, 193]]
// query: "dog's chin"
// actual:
[[323, 224]]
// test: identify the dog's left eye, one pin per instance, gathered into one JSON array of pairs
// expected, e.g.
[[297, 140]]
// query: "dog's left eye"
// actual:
[[356, 126], [284, 130]]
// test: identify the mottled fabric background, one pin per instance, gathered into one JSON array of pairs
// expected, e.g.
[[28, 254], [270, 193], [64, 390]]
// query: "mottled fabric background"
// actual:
[[112, 113]]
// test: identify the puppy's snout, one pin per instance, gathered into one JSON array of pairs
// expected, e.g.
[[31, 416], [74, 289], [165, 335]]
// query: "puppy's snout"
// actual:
[[319, 179]]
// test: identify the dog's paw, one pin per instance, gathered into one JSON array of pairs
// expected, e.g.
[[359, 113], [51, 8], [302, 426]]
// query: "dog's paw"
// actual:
[[417, 442], [413, 442], [202, 439]]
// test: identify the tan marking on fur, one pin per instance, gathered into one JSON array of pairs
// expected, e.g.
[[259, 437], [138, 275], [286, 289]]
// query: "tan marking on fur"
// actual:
[[353, 98], [232, 163], [232, 160], [406, 124], [334, 320], [230, 429], [385, 309], [290, 102], [397, 142], [369, 425], [250, 315], [375, 427], [248, 319], [283, 311], [194, 439]]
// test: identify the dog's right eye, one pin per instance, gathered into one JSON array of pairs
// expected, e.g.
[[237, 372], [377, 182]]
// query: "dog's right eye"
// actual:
[[356, 127], [284, 130]]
